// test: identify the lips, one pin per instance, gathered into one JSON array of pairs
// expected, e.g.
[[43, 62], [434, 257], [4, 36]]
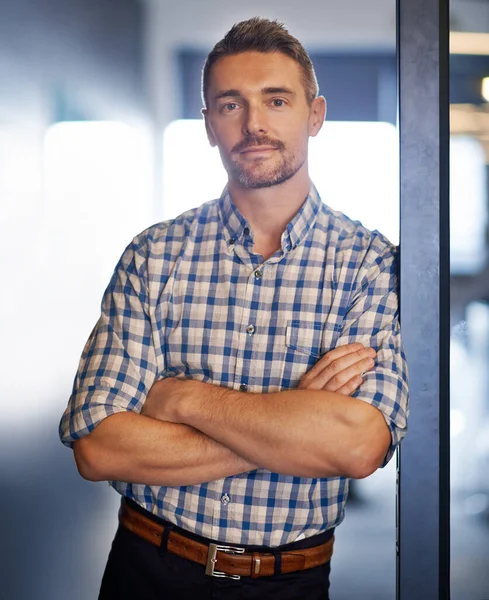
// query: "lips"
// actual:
[[258, 149]]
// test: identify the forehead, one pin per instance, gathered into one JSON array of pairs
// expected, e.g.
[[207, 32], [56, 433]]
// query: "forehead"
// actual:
[[253, 71]]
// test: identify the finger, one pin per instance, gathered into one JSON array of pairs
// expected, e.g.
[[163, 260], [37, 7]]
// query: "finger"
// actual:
[[326, 370], [346, 361], [333, 377], [338, 361], [345, 375], [350, 386], [333, 355]]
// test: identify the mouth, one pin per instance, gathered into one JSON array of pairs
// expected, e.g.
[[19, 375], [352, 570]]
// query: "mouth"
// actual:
[[258, 149]]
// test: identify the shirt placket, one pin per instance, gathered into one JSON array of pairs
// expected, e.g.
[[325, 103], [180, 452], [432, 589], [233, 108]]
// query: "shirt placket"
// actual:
[[247, 327], [249, 291]]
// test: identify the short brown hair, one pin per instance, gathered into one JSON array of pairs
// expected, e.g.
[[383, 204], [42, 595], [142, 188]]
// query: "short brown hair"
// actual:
[[262, 35]]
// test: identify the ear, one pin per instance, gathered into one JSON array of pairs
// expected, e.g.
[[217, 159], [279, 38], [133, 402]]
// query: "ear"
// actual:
[[210, 134], [317, 115]]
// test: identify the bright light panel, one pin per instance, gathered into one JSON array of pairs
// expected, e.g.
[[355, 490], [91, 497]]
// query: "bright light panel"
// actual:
[[356, 169], [353, 165], [465, 42], [485, 89], [468, 210], [97, 198]]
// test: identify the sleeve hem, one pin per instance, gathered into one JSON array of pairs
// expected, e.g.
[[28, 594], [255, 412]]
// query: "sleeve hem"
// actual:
[[90, 410]]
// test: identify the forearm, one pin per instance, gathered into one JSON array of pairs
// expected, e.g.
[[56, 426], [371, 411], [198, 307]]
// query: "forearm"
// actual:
[[306, 433], [139, 449]]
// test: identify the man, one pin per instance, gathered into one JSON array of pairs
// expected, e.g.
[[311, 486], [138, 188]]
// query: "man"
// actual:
[[247, 361]]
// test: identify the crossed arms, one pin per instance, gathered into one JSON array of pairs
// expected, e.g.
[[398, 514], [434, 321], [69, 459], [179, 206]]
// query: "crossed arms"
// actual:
[[191, 432], [127, 425]]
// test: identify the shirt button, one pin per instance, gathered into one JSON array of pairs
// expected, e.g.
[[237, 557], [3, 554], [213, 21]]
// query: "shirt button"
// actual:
[[250, 329], [258, 274], [243, 387], [225, 499]]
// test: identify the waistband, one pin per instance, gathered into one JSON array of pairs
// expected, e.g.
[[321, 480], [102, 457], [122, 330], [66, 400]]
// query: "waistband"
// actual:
[[222, 560]]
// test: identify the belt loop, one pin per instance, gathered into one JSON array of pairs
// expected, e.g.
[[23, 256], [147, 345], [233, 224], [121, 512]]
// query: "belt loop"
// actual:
[[278, 561], [255, 565], [167, 529]]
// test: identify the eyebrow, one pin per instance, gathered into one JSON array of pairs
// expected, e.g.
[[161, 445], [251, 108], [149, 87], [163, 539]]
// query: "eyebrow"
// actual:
[[227, 94], [277, 90], [265, 91]]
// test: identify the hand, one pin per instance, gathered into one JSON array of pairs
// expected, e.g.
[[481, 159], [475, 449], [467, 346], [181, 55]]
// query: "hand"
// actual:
[[166, 397], [340, 370]]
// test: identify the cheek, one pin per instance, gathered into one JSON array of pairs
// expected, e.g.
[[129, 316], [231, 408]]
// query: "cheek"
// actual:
[[297, 141], [292, 131], [226, 138]]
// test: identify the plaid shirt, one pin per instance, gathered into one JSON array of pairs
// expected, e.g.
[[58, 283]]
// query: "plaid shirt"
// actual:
[[190, 298]]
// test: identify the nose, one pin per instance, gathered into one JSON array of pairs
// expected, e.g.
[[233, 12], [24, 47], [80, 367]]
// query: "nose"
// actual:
[[254, 121]]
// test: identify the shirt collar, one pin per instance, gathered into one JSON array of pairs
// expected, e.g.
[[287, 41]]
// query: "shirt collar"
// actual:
[[236, 227], [297, 230], [237, 230]]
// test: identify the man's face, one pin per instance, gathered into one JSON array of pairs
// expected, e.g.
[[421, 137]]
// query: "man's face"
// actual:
[[259, 118]]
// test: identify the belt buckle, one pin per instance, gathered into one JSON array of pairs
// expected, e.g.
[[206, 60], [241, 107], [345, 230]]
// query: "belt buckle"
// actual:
[[212, 560]]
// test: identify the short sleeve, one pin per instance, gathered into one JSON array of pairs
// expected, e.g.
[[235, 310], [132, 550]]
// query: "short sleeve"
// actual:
[[118, 364], [373, 320]]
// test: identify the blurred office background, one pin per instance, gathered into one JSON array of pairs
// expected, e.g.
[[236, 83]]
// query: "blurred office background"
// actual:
[[100, 137]]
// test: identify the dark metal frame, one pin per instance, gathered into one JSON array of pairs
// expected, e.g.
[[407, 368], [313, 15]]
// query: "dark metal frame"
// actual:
[[423, 560]]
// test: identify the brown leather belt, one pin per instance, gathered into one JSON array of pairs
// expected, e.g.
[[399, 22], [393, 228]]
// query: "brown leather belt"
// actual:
[[221, 560]]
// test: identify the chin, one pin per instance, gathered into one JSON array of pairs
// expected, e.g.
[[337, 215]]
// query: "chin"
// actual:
[[264, 182]]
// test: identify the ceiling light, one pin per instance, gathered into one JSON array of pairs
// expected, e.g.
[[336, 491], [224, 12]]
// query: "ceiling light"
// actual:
[[485, 88], [469, 43]]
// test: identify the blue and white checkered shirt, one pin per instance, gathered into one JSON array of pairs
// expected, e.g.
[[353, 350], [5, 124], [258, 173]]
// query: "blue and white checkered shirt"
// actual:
[[182, 300]]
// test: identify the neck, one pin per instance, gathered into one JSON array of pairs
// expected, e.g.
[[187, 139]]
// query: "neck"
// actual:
[[269, 210]]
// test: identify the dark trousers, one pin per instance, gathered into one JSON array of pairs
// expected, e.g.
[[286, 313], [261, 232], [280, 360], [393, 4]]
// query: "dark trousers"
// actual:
[[137, 570]]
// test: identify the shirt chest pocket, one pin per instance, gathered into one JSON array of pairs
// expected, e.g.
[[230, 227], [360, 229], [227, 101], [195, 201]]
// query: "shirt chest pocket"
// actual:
[[305, 343]]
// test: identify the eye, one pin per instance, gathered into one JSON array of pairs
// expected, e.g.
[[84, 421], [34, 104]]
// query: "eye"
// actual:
[[230, 106], [278, 102]]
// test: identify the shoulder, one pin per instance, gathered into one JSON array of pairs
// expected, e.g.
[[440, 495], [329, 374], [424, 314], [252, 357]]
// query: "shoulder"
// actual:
[[173, 231], [362, 259], [152, 255], [355, 243], [164, 240]]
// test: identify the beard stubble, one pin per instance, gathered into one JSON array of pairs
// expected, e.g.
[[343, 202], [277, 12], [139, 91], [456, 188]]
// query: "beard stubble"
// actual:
[[254, 176]]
